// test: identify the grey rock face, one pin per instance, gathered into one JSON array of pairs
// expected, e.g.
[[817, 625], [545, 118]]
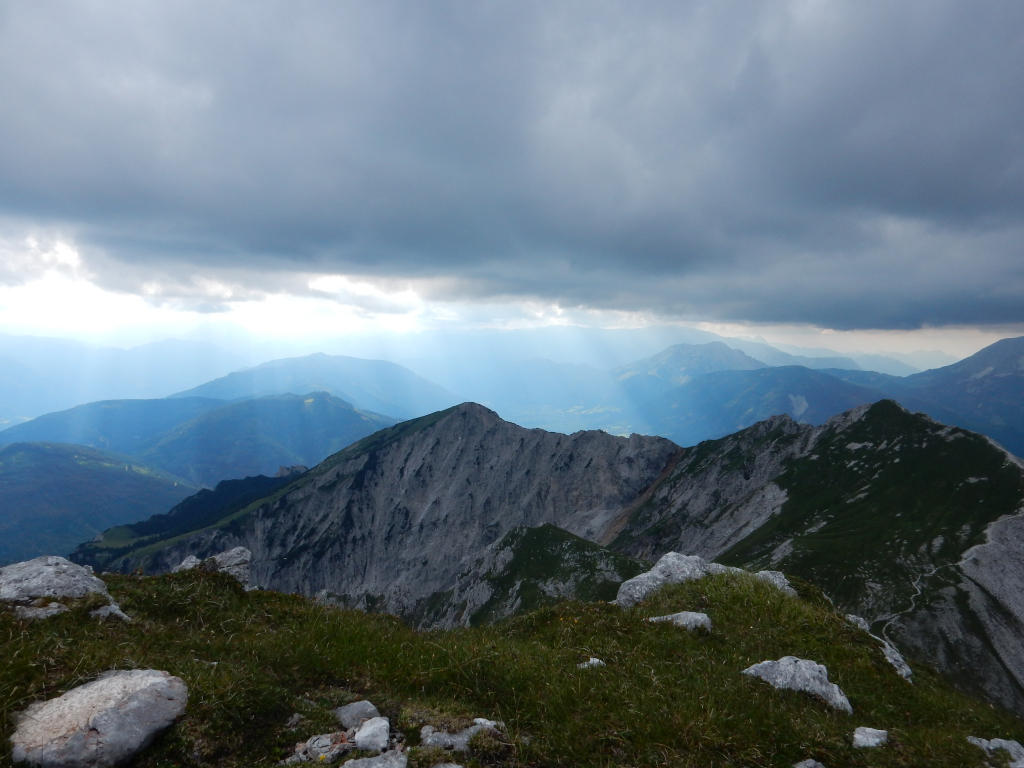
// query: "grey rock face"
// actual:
[[355, 714], [373, 735], [459, 742], [795, 674], [992, 746], [47, 577], [869, 737], [102, 723], [688, 619], [402, 521]]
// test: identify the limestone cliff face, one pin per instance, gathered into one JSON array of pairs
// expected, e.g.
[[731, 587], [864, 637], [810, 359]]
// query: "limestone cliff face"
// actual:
[[401, 519]]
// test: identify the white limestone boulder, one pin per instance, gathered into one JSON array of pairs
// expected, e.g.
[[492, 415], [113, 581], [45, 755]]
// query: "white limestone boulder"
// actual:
[[674, 568], [808, 763], [33, 589], [867, 738], [373, 735], [393, 759], [102, 723], [791, 673], [690, 620]]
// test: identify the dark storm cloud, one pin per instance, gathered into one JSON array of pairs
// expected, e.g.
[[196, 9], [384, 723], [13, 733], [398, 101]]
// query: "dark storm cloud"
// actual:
[[851, 164]]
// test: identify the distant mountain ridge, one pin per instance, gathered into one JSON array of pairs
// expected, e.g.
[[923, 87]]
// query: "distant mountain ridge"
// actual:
[[205, 440], [372, 385]]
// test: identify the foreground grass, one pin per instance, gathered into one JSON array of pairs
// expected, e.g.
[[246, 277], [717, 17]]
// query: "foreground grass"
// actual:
[[665, 697]]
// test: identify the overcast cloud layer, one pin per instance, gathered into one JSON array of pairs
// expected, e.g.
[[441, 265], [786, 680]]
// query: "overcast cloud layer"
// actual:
[[848, 164]]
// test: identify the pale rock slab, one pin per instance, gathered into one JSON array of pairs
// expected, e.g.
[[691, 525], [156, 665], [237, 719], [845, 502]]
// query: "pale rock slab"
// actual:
[[355, 714], [392, 759], [373, 735], [795, 674], [991, 746], [459, 742], [808, 764], [777, 579], [690, 620], [102, 723], [591, 663], [864, 738]]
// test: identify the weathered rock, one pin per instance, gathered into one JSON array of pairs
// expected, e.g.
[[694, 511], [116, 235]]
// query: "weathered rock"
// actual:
[[891, 654], [102, 723], [294, 720], [47, 577], [325, 747], [795, 674], [591, 663], [112, 611], [808, 764], [355, 714], [373, 734], [392, 759], [869, 737], [429, 737], [991, 746], [672, 568], [235, 562], [688, 619]]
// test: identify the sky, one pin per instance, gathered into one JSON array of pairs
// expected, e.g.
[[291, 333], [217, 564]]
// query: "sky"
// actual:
[[820, 172]]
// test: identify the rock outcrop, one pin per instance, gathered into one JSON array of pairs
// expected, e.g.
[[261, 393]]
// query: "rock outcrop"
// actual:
[[234, 562], [690, 620], [33, 589], [866, 738], [791, 673], [102, 723], [993, 746]]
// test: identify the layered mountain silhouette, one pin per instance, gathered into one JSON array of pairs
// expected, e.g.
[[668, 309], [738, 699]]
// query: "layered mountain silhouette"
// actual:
[[373, 385], [204, 440]]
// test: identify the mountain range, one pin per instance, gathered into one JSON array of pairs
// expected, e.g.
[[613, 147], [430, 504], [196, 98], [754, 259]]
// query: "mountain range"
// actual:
[[899, 518]]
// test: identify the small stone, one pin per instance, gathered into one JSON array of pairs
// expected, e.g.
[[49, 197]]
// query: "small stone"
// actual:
[[187, 564], [373, 735], [808, 764], [795, 674], [294, 720], [102, 723], [355, 714], [688, 619], [446, 765], [869, 737], [234, 562], [323, 748], [591, 663], [112, 611], [991, 746]]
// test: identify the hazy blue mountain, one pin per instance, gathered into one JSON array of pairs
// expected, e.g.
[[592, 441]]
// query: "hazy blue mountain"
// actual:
[[373, 385], [983, 392], [206, 440], [55, 496], [682, 362], [257, 437], [40, 375], [885, 364], [720, 403], [125, 426]]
